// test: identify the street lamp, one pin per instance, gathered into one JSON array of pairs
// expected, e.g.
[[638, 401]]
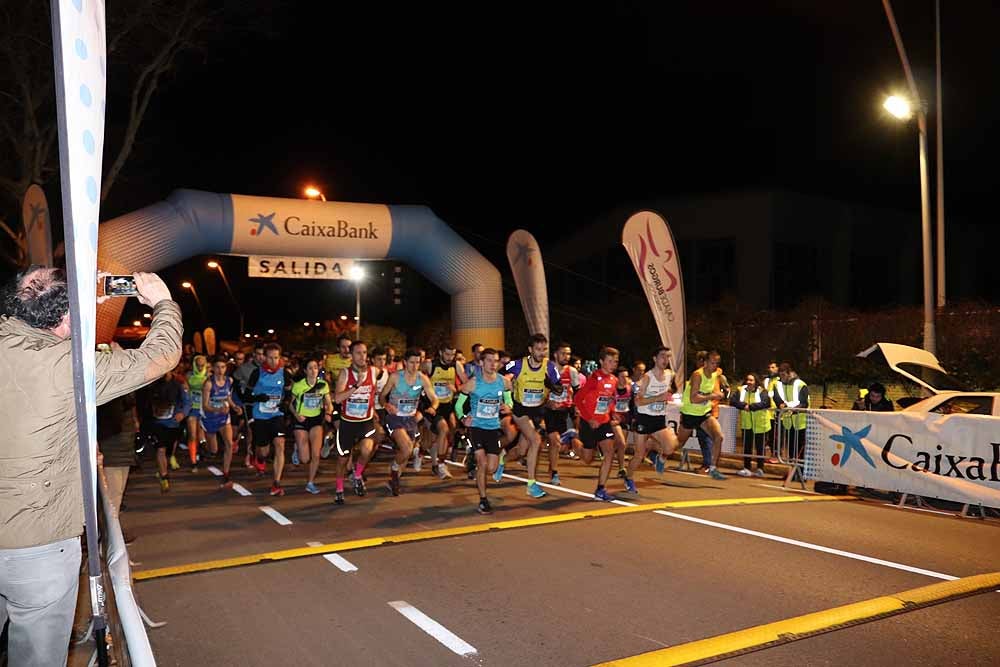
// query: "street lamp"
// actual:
[[357, 275], [148, 316], [189, 286], [312, 192], [212, 264], [898, 106], [137, 323]]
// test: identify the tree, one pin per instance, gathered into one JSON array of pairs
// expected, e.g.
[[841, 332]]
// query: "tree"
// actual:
[[145, 39]]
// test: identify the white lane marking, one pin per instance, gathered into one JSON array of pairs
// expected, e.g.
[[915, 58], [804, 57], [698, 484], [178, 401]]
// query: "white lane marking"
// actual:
[[766, 536], [808, 545], [918, 509], [455, 643], [788, 489], [276, 515], [215, 471], [566, 490], [338, 560], [242, 490]]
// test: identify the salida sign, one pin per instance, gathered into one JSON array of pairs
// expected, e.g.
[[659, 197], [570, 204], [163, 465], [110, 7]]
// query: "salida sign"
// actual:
[[265, 266], [953, 457]]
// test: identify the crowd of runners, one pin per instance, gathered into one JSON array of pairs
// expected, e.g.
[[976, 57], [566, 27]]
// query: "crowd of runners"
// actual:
[[486, 411]]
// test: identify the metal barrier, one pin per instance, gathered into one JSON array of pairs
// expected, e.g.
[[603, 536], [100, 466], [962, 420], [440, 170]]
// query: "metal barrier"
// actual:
[[792, 445], [137, 650]]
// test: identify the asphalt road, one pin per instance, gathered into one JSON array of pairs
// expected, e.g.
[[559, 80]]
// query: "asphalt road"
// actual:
[[574, 593]]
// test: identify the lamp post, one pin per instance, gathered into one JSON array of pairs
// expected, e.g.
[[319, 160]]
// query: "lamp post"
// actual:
[[357, 275], [903, 110], [190, 286], [312, 192], [212, 264]]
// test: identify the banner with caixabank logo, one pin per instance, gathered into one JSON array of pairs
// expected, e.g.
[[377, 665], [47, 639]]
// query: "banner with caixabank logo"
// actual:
[[950, 457]]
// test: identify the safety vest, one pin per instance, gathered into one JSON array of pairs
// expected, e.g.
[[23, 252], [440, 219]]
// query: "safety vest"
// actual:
[[791, 395], [769, 383], [755, 420], [708, 386]]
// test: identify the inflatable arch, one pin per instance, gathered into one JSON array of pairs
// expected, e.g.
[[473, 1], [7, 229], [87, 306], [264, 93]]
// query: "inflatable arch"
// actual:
[[191, 222]]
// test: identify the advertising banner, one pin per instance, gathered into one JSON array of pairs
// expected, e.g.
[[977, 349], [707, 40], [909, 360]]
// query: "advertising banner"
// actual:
[[727, 420], [650, 245], [951, 457], [525, 259], [306, 227], [320, 268]]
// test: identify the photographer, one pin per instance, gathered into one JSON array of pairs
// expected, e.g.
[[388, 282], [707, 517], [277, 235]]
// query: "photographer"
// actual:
[[41, 500]]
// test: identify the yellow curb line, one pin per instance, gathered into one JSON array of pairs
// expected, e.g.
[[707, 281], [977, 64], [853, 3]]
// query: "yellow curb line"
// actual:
[[367, 543], [801, 627]]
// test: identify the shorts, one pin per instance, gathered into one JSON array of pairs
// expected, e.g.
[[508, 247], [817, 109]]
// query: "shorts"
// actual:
[[648, 424], [486, 439], [266, 430], [535, 413], [558, 421], [351, 433], [408, 424], [381, 414], [591, 436], [693, 422], [165, 435], [308, 424], [214, 423], [443, 413]]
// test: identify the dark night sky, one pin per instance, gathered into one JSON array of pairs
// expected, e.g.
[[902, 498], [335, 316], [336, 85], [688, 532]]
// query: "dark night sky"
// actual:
[[543, 118]]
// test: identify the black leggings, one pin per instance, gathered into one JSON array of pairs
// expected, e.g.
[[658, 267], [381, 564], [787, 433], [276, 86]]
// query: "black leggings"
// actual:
[[753, 443]]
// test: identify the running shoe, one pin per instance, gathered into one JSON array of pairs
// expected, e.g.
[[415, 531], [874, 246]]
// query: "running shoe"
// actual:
[[174, 465], [226, 484], [744, 473], [327, 446], [182, 445], [484, 507], [630, 486], [602, 494], [535, 491], [660, 464], [312, 488], [295, 456], [418, 462], [394, 482], [164, 483], [194, 469], [498, 475], [555, 480], [715, 474], [261, 467], [622, 474], [443, 471], [359, 487], [276, 490], [339, 498], [759, 472]]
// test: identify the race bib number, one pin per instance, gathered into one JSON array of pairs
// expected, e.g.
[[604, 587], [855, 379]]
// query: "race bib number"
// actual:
[[196, 399], [270, 406], [442, 390], [218, 404], [621, 405], [657, 408], [406, 407], [312, 401], [357, 408], [488, 408], [165, 412], [603, 404], [532, 398]]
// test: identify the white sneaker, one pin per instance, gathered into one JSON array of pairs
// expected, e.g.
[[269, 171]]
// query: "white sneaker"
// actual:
[[443, 471], [744, 473], [418, 462], [758, 473]]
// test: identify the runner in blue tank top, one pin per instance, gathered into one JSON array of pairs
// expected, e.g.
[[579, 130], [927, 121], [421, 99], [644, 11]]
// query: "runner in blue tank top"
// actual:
[[400, 395], [488, 398], [217, 401]]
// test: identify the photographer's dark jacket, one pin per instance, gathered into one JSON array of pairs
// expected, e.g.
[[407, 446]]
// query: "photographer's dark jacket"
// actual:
[[41, 500]]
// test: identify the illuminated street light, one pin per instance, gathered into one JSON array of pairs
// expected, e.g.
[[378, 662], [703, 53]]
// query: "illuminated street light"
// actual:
[[246, 335], [305, 324], [212, 264], [357, 275], [137, 323], [147, 315], [270, 331], [898, 107], [312, 192], [190, 286], [315, 324], [343, 317]]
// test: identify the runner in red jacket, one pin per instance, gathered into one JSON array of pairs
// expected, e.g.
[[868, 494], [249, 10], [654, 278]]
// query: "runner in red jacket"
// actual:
[[595, 403]]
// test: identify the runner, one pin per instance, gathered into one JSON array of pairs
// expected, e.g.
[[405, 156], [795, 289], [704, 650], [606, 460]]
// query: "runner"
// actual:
[[696, 409], [559, 412], [310, 408], [382, 374], [489, 397], [623, 415], [195, 380], [401, 396], [217, 402], [595, 402], [651, 396], [162, 408], [268, 388], [339, 360], [533, 378], [356, 392], [241, 375], [446, 376]]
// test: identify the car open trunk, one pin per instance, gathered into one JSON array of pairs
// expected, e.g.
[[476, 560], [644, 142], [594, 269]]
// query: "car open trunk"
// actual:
[[914, 364]]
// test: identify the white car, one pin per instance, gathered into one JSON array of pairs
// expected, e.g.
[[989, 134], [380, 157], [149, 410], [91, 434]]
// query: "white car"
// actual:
[[922, 367]]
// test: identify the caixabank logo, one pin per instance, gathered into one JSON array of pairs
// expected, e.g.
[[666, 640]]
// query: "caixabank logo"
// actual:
[[294, 226], [936, 461]]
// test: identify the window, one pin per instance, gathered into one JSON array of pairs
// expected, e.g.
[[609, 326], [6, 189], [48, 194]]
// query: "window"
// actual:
[[966, 405]]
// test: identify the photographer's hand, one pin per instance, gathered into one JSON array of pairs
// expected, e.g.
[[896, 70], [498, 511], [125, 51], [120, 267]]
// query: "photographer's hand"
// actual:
[[151, 288]]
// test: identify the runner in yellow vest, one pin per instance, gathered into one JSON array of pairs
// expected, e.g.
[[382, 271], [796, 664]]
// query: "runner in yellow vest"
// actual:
[[696, 409], [753, 403]]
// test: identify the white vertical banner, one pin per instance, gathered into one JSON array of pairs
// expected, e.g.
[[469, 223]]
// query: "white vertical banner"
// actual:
[[79, 51], [525, 259], [650, 245]]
